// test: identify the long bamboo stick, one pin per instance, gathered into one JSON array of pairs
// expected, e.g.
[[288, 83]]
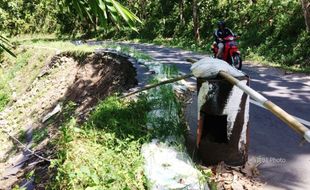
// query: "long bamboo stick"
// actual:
[[147, 87]]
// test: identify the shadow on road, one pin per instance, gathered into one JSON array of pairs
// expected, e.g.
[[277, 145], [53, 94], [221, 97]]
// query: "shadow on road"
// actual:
[[284, 163]]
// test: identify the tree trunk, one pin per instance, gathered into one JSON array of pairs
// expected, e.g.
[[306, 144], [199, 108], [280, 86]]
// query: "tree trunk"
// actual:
[[306, 9], [196, 21], [142, 5], [181, 7]]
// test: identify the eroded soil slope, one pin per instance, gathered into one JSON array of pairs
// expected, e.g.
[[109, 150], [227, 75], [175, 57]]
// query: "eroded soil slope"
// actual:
[[82, 79]]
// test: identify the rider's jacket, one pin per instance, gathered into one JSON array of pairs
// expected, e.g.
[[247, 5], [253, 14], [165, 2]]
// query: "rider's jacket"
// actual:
[[222, 34]]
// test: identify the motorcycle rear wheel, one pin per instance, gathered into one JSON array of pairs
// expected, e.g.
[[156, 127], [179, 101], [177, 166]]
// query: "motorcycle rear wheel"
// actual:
[[236, 61]]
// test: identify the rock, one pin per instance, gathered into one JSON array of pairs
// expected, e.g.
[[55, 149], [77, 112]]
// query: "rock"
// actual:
[[14, 96], [3, 122]]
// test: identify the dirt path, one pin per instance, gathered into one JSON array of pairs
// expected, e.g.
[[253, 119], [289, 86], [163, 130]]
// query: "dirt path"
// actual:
[[285, 164]]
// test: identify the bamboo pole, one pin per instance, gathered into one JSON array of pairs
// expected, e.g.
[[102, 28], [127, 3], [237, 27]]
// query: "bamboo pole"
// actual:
[[147, 87]]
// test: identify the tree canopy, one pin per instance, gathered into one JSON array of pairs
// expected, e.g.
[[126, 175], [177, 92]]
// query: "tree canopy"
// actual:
[[275, 29]]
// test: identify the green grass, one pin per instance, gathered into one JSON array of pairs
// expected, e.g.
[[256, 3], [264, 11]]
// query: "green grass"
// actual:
[[185, 44], [39, 135], [104, 152], [252, 57], [16, 74], [67, 46], [131, 51], [170, 71], [4, 97]]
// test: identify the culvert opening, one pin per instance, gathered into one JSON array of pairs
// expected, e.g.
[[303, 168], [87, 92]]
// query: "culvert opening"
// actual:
[[215, 128]]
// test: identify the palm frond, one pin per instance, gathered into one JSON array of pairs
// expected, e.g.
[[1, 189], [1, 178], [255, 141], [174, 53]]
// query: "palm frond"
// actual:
[[5, 44], [104, 10]]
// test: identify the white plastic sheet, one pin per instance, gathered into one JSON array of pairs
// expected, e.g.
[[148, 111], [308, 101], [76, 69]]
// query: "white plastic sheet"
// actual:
[[168, 168]]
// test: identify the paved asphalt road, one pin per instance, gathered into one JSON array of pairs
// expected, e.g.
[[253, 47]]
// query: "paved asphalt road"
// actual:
[[286, 164]]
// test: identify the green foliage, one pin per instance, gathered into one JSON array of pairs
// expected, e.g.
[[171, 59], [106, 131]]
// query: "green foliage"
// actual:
[[121, 119], [110, 140], [131, 51], [94, 13], [4, 97], [5, 91], [164, 119], [301, 50], [105, 152], [16, 187], [5, 46], [280, 25], [101, 13], [25, 16], [22, 136], [50, 16], [39, 135], [274, 29]]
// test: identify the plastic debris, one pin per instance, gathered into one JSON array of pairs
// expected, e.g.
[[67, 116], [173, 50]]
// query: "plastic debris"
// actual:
[[52, 113], [168, 168]]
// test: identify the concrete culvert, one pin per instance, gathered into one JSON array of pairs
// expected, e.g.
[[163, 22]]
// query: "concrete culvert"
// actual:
[[223, 123]]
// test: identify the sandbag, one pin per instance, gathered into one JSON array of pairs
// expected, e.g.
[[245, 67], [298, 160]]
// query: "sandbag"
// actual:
[[209, 68]]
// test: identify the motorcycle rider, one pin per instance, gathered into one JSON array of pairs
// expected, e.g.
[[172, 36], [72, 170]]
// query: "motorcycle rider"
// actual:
[[219, 35]]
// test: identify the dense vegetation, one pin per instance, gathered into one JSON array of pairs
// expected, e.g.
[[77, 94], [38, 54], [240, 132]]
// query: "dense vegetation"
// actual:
[[274, 29]]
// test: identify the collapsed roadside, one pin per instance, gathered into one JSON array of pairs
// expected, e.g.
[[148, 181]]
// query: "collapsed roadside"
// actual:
[[91, 142]]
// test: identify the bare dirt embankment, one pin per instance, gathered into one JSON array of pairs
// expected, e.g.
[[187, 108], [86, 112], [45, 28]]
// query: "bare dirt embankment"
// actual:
[[83, 79]]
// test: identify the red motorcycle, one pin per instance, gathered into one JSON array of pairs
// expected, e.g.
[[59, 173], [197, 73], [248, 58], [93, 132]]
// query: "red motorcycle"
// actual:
[[231, 54]]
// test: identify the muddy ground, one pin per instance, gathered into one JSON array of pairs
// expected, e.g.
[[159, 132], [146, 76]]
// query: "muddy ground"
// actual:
[[82, 79]]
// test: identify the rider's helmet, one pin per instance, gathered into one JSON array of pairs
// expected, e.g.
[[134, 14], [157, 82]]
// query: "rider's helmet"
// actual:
[[221, 24]]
